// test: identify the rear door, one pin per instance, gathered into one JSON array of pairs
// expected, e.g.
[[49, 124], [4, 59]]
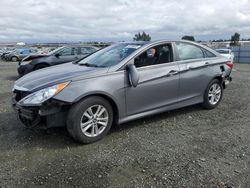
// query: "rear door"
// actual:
[[195, 70], [158, 83]]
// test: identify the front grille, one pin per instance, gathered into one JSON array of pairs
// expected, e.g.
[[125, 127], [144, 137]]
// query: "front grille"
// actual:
[[20, 94]]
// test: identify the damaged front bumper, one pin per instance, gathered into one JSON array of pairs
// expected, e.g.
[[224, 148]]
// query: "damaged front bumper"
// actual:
[[52, 113]]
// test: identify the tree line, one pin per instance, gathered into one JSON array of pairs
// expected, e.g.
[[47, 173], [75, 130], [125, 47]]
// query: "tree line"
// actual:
[[233, 41]]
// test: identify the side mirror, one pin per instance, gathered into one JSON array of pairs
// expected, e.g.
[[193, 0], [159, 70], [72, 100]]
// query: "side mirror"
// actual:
[[133, 75], [57, 55]]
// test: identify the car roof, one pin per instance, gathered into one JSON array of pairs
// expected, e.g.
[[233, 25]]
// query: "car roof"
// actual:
[[75, 45], [225, 49]]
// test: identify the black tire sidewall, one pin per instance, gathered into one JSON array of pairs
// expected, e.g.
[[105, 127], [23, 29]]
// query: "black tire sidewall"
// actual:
[[206, 102], [14, 57], [75, 115]]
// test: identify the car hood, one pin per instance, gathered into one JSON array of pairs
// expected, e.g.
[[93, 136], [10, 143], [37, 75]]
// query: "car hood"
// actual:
[[33, 56], [56, 74]]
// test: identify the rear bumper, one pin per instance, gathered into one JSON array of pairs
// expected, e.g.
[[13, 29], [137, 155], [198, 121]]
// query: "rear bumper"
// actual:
[[48, 115], [227, 81]]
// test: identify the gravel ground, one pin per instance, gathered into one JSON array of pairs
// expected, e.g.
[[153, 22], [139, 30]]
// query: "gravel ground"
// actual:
[[189, 147]]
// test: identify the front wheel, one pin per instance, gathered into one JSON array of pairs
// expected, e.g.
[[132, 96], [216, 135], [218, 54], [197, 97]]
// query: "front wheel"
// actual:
[[90, 119], [14, 59], [213, 94]]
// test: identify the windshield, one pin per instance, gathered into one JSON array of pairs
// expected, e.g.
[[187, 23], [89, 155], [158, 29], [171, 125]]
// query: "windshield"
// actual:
[[54, 51], [111, 55]]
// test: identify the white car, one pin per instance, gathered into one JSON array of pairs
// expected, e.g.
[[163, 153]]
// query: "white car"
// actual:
[[226, 53]]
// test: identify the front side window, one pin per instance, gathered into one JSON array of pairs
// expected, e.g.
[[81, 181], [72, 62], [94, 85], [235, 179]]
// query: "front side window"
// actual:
[[189, 51], [66, 52], [111, 55], [156, 55]]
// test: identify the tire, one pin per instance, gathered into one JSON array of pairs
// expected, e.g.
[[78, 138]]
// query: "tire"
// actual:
[[14, 59], [40, 66], [78, 114], [213, 94]]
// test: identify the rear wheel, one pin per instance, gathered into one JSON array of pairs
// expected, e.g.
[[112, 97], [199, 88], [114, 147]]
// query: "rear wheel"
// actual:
[[213, 94], [90, 119]]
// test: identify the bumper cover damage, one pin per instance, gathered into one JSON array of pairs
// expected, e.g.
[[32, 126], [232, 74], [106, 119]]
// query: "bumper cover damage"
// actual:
[[53, 113]]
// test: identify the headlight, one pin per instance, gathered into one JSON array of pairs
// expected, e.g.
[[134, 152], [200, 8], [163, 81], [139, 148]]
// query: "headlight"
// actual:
[[26, 62], [43, 95]]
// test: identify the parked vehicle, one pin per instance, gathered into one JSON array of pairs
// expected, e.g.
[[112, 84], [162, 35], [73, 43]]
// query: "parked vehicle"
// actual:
[[19, 53], [226, 53], [61, 55], [1, 52], [120, 83], [5, 54]]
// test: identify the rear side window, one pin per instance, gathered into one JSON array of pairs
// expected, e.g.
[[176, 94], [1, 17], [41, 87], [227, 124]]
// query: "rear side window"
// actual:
[[87, 50], [189, 51], [208, 54]]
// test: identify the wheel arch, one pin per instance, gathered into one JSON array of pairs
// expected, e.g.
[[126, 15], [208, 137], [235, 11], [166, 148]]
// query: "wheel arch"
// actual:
[[220, 78], [39, 64], [109, 99], [13, 57], [217, 77]]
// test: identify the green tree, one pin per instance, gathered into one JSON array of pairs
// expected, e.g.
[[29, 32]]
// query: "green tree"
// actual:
[[235, 39], [186, 37], [142, 37]]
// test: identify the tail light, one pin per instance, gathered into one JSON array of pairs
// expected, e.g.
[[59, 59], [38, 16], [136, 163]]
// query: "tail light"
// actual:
[[230, 64]]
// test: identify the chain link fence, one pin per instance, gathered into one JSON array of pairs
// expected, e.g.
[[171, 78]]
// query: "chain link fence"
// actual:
[[241, 54]]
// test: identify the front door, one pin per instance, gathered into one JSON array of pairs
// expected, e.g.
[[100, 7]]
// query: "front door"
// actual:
[[158, 83], [67, 54]]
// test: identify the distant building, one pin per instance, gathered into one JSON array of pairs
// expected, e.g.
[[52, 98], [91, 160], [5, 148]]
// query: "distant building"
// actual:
[[20, 44]]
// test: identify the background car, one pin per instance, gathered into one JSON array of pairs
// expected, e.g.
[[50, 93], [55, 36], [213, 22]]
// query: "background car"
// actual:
[[58, 56], [19, 54], [120, 83], [5, 52], [226, 53]]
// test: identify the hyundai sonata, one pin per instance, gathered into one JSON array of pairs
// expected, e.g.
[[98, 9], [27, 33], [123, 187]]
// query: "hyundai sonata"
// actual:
[[122, 82]]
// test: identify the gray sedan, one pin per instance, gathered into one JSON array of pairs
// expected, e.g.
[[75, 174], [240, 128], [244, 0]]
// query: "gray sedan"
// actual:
[[56, 57], [121, 83]]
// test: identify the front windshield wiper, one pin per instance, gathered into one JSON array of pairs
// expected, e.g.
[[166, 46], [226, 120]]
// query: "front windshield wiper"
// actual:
[[89, 65]]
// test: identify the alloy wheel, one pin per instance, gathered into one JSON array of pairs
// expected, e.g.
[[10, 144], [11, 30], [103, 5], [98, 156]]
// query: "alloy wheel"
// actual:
[[214, 94], [94, 120]]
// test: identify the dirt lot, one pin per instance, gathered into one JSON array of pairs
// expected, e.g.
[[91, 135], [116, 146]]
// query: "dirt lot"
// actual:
[[189, 147]]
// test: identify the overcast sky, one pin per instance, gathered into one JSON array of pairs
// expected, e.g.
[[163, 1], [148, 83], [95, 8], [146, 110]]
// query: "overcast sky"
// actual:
[[115, 20]]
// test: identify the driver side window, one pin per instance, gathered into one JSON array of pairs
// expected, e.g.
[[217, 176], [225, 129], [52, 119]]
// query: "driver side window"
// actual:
[[155, 55], [66, 52]]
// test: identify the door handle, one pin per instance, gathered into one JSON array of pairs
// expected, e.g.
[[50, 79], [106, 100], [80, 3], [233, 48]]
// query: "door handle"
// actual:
[[207, 63], [172, 73], [190, 67]]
